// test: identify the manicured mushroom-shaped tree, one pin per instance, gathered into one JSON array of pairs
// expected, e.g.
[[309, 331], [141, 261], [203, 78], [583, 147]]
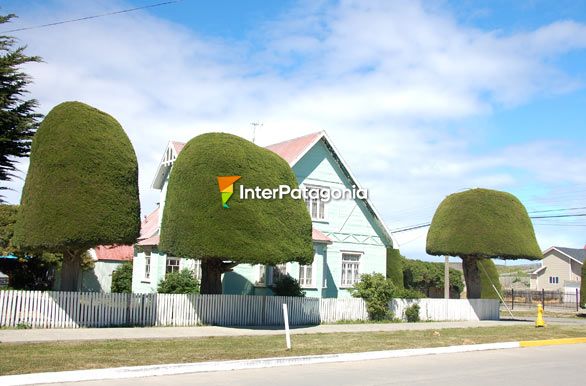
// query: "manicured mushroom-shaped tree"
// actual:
[[197, 225], [81, 189], [479, 224]]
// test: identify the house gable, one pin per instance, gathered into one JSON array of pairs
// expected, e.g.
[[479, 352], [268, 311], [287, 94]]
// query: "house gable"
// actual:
[[349, 220]]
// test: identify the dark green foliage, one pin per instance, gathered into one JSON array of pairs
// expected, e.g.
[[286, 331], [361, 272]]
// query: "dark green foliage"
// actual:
[[583, 287], [412, 313], [489, 276], [195, 224], [286, 285], [395, 267], [122, 279], [81, 189], [484, 223], [182, 282], [7, 220], [377, 291], [428, 278], [18, 120], [31, 271], [252, 231]]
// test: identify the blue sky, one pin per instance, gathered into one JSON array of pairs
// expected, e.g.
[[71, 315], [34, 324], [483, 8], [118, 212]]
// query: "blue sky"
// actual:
[[422, 98]]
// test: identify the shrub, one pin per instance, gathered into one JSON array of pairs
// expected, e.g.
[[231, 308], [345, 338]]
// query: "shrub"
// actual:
[[182, 282], [287, 286], [425, 277], [412, 313], [122, 279], [395, 267], [377, 291], [409, 293]]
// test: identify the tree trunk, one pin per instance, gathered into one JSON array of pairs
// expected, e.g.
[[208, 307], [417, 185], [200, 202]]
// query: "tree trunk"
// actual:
[[71, 270], [472, 277], [211, 275]]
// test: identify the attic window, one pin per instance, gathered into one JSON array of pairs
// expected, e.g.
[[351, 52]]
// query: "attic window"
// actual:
[[316, 206]]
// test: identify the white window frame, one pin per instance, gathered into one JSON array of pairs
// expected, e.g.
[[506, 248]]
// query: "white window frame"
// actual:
[[353, 259], [320, 204], [261, 275], [303, 282], [147, 265], [554, 280], [173, 266], [197, 269]]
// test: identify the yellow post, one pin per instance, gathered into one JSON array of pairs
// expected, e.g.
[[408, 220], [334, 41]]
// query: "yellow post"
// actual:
[[539, 322]]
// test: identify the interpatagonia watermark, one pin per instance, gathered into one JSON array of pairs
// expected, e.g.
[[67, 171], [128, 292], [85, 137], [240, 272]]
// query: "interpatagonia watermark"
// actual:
[[303, 192]]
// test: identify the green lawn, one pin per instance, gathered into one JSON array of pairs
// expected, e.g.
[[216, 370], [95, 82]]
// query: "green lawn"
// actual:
[[39, 357]]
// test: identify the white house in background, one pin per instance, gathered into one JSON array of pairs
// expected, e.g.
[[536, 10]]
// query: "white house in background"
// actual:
[[561, 268], [106, 259]]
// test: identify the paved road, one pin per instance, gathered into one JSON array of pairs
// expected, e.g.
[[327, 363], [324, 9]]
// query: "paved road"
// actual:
[[45, 335], [552, 365]]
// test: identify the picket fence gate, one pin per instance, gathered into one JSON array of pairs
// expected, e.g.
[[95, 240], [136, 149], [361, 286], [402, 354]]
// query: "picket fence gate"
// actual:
[[86, 309]]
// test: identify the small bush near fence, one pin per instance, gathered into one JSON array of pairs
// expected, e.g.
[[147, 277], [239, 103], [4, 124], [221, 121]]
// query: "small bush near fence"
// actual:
[[122, 279], [412, 313], [377, 291], [287, 286], [179, 283]]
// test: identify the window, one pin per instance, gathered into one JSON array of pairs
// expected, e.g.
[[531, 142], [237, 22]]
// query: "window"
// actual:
[[350, 269], [172, 265], [261, 275], [147, 266], [315, 204], [306, 275], [277, 272], [554, 280], [197, 270]]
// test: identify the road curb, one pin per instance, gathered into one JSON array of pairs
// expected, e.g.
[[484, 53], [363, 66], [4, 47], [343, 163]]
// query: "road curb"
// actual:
[[185, 368]]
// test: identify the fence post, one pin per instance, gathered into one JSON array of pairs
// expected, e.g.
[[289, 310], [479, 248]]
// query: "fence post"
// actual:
[[543, 298], [142, 321], [512, 298], [577, 300], [128, 300], [264, 309]]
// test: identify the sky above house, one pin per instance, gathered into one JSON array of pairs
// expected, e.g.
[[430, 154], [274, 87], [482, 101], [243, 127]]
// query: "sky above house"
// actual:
[[422, 99]]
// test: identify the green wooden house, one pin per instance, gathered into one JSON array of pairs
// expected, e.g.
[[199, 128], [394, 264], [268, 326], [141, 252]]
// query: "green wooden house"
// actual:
[[349, 236]]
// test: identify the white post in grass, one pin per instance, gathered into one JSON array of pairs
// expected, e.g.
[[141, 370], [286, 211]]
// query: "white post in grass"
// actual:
[[287, 333]]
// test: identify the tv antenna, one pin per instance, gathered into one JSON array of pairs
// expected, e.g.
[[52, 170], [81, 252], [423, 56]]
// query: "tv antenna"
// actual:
[[254, 126]]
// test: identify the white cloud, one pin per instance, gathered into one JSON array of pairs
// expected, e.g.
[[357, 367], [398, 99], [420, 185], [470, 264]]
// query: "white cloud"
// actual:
[[384, 78]]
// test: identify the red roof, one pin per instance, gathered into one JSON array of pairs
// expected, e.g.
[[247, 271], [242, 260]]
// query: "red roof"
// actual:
[[150, 241], [178, 146], [114, 252], [150, 225], [289, 150], [320, 237], [293, 149]]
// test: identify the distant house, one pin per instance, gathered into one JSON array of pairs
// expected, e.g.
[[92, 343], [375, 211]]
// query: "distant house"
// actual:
[[560, 268], [349, 236], [106, 259]]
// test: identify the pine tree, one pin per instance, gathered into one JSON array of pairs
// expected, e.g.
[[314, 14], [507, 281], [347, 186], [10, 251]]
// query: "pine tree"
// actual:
[[18, 119]]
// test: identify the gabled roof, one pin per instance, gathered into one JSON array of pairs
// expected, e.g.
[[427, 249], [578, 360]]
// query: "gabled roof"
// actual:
[[576, 254], [538, 270], [150, 225], [292, 151]]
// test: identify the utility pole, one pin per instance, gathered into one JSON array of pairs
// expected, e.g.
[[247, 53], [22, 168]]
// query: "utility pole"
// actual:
[[447, 277], [254, 126]]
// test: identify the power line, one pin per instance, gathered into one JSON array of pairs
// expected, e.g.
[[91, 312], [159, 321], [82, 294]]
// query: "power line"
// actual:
[[93, 16], [409, 228]]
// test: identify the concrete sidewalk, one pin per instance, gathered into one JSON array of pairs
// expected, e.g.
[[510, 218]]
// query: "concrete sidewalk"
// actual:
[[81, 334]]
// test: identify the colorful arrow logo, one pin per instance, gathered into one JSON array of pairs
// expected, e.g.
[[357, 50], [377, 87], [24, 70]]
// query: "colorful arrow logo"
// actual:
[[226, 184]]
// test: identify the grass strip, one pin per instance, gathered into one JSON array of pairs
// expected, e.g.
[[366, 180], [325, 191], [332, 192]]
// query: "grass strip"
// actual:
[[21, 358]]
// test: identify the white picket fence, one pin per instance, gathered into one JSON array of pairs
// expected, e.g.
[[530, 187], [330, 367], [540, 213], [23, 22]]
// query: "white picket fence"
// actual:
[[74, 309]]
